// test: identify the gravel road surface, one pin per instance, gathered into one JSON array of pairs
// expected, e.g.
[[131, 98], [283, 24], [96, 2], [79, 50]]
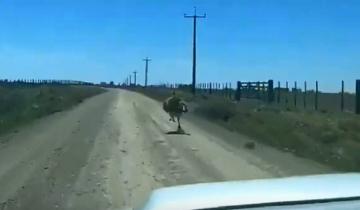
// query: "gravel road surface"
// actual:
[[112, 150]]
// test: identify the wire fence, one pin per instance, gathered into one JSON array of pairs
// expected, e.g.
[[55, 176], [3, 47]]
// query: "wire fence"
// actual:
[[281, 94]]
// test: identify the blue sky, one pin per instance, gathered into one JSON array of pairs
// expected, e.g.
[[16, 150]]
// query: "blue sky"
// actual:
[[239, 40]]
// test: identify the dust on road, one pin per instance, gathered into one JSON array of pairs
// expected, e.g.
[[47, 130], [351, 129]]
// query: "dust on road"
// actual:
[[111, 151]]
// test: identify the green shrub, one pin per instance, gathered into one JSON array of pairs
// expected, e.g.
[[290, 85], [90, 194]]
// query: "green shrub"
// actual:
[[328, 137], [218, 110], [349, 124]]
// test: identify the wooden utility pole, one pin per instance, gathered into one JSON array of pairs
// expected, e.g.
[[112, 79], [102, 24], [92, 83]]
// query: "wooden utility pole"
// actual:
[[195, 17], [146, 70]]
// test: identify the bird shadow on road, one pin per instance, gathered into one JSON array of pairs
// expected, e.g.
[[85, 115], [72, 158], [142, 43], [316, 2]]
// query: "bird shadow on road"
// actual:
[[177, 132]]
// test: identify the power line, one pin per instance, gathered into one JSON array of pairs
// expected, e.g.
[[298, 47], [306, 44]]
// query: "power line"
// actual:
[[195, 17], [146, 70]]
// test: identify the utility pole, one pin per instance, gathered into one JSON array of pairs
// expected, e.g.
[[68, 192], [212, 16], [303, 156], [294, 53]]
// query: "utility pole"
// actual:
[[195, 17], [130, 79], [135, 72], [146, 69]]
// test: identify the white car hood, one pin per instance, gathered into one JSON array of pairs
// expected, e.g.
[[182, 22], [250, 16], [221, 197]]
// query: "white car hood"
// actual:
[[237, 193]]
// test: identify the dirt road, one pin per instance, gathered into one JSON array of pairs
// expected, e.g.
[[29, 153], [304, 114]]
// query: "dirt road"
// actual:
[[111, 151]]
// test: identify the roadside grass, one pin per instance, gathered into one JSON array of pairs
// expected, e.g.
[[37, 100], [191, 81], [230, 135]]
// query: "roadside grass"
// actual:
[[21, 105], [160, 94], [331, 138]]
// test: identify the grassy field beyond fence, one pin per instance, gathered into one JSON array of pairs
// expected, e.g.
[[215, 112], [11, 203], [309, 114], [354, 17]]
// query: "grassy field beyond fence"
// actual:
[[20, 105], [332, 138]]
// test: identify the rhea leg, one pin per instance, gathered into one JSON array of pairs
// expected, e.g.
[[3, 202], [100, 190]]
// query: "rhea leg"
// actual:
[[171, 117], [178, 120]]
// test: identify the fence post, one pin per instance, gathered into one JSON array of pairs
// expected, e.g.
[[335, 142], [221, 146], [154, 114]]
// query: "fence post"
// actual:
[[342, 96], [226, 90], [263, 91], [271, 90], [230, 91], [248, 90], [278, 93], [222, 89], [304, 94], [357, 96], [316, 95], [210, 88], [238, 91], [287, 93], [295, 93], [258, 90]]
